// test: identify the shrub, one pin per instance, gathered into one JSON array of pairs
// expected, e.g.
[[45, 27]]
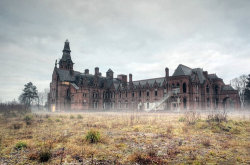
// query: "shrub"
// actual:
[[182, 119], [206, 142], [146, 158], [28, 119], [79, 116], [20, 145], [93, 136], [17, 125], [217, 117], [192, 117], [44, 155], [71, 117], [58, 120]]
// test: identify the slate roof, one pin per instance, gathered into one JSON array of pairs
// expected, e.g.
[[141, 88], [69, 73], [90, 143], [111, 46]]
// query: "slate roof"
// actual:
[[77, 78], [150, 82], [182, 70], [199, 73], [227, 88], [65, 75], [212, 76]]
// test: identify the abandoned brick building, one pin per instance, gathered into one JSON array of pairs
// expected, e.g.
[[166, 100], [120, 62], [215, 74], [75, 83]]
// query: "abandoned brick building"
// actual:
[[187, 88]]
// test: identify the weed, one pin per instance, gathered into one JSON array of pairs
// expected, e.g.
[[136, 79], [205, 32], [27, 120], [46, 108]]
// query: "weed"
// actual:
[[206, 142], [192, 117], [58, 120], [20, 145], [93, 136], [182, 119], [79, 116]]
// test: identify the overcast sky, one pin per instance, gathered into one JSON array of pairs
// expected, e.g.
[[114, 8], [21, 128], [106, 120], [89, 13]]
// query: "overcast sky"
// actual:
[[141, 37]]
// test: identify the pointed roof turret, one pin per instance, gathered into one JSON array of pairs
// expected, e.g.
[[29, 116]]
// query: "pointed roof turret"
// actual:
[[66, 51], [66, 62], [66, 47]]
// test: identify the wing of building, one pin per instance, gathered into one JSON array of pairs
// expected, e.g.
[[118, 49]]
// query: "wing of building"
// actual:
[[188, 88]]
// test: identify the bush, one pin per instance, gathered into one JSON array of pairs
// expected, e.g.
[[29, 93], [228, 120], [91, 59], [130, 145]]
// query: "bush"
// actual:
[[93, 136], [58, 120], [146, 158], [182, 119], [20, 145], [79, 116], [28, 119], [17, 125], [71, 117], [44, 155], [206, 142], [217, 117], [192, 117]]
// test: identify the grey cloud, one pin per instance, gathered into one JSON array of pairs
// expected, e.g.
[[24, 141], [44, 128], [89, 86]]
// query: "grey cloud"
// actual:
[[134, 36]]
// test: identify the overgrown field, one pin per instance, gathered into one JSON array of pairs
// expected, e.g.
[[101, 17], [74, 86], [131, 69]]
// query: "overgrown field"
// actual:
[[124, 138]]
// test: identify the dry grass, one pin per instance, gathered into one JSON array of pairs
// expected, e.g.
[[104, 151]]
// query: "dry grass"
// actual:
[[125, 138]]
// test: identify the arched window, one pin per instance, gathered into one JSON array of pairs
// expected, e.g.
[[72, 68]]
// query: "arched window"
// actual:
[[156, 92], [172, 85], [147, 93], [184, 88], [216, 89], [139, 93], [68, 92]]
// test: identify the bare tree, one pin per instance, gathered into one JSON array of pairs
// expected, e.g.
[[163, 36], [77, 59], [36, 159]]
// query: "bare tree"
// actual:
[[239, 83], [42, 97]]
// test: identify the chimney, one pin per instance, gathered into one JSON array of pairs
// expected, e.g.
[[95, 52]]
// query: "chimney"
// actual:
[[205, 73], [166, 72], [86, 71], [130, 78], [123, 78], [96, 71]]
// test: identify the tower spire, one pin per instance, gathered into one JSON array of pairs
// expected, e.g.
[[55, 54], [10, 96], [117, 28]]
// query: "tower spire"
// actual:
[[66, 62], [66, 48]]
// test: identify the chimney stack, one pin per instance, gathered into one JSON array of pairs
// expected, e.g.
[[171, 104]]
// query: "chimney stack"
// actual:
[[96, 71], [166, 72], [86, 71], [130, 77], [123, 78]]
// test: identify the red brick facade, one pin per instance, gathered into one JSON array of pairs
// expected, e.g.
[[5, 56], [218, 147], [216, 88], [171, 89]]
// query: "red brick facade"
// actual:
[[195, 89]]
